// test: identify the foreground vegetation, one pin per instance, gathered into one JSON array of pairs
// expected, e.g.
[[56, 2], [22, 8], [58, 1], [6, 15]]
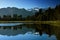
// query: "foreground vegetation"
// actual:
[[54, 23]]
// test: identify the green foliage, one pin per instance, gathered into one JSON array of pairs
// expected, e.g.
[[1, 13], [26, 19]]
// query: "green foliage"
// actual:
[[50, 14]]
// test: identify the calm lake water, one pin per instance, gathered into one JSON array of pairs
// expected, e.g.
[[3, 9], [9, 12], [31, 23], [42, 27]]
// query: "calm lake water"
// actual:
[[20, 31]]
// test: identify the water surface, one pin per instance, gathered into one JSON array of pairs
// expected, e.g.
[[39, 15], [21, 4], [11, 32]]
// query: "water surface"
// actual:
[[18, 31]]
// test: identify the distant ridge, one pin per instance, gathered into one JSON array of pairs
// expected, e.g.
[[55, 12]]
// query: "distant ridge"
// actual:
[[14, 10]]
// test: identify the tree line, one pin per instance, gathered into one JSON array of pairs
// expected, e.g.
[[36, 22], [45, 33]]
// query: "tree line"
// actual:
[[50, 14]]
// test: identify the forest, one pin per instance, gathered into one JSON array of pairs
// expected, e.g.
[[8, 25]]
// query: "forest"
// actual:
[[49, 14]]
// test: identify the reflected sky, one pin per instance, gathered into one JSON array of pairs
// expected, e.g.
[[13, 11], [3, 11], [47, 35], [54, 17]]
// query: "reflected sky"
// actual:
[[28, 37]]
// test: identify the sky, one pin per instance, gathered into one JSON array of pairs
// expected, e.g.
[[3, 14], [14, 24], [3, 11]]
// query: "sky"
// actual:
[[29, 3]]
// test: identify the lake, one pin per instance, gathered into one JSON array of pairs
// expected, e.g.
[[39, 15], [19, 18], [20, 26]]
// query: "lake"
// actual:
[[21, 31]]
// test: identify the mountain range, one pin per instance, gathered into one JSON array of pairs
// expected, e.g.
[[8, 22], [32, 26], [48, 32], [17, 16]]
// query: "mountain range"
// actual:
[[14, 10]]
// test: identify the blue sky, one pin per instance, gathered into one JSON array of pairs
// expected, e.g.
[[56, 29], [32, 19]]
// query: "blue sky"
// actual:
[[28, 3]]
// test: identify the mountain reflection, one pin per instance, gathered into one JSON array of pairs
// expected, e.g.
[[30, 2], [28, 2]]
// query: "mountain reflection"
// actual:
[[27, 31], [14, 30]]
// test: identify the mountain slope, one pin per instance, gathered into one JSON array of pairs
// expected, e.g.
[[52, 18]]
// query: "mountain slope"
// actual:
[[13, 10]]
